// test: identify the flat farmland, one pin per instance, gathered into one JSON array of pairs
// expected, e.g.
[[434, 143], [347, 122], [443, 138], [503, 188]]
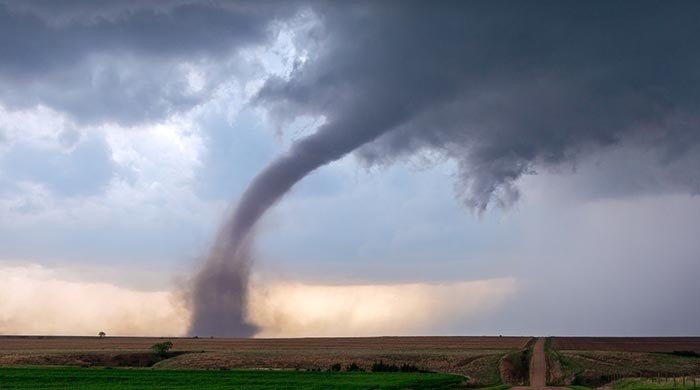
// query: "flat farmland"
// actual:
[[473, 361], [475, 358], [599, 361]]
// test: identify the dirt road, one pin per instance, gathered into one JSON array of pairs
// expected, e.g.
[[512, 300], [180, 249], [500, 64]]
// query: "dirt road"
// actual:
[[538, 365], [538, 369]]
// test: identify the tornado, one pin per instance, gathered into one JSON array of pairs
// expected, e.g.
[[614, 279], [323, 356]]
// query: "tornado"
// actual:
[[453, 82], [219, 291]]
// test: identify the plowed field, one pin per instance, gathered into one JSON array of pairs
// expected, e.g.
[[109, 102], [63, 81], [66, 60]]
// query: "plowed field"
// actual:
[[139, 344], [626, 344]]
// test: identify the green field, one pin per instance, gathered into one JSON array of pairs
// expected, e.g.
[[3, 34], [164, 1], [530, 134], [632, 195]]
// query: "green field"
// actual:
[[101, 378], [655, 384]]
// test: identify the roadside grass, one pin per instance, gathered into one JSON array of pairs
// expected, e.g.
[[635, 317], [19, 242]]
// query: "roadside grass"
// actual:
[[558, 374], [484, 371], [652, 384], [571, 369], [101, 378], [520, 366]]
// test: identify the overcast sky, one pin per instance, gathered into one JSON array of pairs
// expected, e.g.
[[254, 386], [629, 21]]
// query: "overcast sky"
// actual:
[[550, 150]]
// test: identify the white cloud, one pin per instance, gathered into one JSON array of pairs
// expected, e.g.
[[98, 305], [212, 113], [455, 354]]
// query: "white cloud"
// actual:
[[39, 125]]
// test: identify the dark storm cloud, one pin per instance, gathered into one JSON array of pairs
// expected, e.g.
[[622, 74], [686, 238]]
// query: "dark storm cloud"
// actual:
[[119, 61], [501, 87]]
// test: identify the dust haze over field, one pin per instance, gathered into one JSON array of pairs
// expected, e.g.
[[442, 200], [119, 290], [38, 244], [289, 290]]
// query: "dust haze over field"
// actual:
[[127, 128]]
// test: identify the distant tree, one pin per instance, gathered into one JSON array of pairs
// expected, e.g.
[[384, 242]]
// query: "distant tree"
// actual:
[[380, 366], [353, 367], [336, 367], [161, 349], [102, 334]]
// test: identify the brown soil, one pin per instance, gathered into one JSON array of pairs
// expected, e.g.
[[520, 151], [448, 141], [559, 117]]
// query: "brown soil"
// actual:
[[627, 344], [135, 344]]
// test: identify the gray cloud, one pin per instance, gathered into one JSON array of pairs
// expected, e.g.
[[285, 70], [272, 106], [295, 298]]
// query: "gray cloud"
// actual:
[[123, 62], [504, 88]]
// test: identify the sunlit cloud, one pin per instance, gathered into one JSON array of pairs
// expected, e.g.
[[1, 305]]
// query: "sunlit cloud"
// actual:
[[295, 309], [35, 300], [40, 300]]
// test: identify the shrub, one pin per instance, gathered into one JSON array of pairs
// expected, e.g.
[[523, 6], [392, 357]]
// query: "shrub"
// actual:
[[336, 367], [686, 353], [161, 349], [353, 367], [409, 368], [380, 366]]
